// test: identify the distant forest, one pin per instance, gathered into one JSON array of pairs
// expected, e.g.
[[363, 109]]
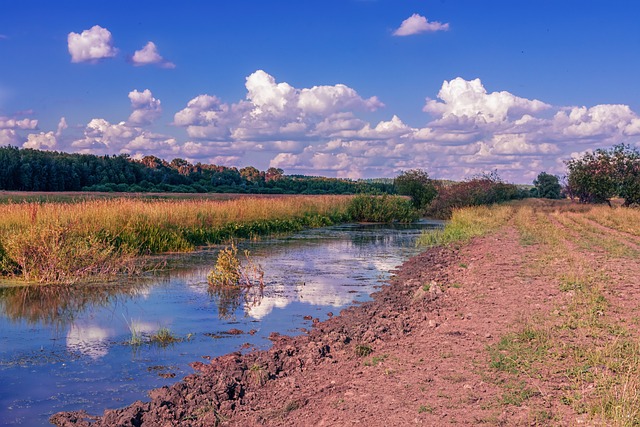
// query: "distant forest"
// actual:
[[34, 170]]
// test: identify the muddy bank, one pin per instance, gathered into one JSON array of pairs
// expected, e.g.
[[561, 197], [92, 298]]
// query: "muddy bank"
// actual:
[[235, 388]]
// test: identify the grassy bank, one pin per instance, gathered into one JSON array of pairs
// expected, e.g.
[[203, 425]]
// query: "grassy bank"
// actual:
[[467, 223], [583, 354], [64, 242]]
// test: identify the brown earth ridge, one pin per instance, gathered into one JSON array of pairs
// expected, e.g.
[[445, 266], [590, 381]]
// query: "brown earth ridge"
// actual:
[[417, 353]]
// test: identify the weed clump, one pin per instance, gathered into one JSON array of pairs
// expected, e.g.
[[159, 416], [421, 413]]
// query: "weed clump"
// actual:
[[164, 337], [258, 373], [229, 271], [363, 350]]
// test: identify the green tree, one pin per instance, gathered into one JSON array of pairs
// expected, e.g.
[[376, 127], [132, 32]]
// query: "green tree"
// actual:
[[547, 186], [626, 161], [416, 184], [598, 176]]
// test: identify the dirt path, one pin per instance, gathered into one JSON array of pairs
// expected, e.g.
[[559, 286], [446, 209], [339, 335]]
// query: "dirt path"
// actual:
[[419, 353]]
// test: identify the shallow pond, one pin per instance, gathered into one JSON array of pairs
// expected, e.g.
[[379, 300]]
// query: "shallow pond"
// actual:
[[69, 348]]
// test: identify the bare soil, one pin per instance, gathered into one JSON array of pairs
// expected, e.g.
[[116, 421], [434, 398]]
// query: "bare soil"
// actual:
[[416, 354]]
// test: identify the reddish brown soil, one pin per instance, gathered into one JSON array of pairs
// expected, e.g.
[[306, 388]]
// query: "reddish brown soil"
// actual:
[[428, 332]]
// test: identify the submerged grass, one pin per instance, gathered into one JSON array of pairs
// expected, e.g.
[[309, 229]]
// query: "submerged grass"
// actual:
[[66, 242]]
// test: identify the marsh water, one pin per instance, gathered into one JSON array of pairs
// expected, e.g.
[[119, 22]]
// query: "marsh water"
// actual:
[[88, 347]]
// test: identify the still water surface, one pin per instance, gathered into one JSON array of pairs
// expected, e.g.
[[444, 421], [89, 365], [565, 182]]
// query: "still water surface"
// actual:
[[68, 348]]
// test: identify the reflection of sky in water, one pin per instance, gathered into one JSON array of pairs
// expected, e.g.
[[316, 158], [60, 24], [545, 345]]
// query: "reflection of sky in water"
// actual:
[[65, 349]]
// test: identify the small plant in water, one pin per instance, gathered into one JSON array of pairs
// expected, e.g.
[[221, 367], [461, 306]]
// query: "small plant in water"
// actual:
[[229, 271], [136, 336], [164, 337]]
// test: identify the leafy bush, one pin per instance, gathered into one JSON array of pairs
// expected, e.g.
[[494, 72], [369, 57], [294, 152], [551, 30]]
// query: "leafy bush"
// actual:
[[485, 189], [416, 184]]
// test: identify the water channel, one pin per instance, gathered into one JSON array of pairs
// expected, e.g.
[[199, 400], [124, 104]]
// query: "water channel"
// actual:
[[69, 348]]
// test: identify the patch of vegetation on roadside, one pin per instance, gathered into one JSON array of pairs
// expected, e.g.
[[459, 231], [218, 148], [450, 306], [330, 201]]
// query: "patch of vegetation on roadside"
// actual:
[[376, 360], [363, 350], [521, 351], [593, 237], [468, 223], [426, 409]]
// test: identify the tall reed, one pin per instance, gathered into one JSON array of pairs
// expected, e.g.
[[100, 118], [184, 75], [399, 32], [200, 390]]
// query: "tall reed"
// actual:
[[56, 242]]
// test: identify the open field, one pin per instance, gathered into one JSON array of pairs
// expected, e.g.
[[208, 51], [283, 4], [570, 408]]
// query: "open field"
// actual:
[[532, 320]]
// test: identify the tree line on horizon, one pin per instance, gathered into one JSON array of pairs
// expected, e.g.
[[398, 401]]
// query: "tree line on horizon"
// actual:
[[35, 170], [596, 177]]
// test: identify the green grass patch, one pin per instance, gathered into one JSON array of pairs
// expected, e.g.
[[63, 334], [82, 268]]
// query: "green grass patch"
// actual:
[[363, 350], [164, 337], [376, 360], [425, 409], [385, 208], [468, 223], [517, 393], [520, 352]]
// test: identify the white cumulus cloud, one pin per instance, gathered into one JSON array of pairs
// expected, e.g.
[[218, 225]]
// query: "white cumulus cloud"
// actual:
[[469, 101], [146, 108], [149, 55], [273, 111], [103, 137], [91, 45], [9, 137], [11, 123], [322, 130], [416, 24], [41, 141]]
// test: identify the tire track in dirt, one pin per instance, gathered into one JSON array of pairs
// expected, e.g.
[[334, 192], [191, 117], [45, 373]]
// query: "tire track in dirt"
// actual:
[[600, 241], [629, 239]]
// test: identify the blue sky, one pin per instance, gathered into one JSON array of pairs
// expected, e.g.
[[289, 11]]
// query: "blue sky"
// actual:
[[349, 88]]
